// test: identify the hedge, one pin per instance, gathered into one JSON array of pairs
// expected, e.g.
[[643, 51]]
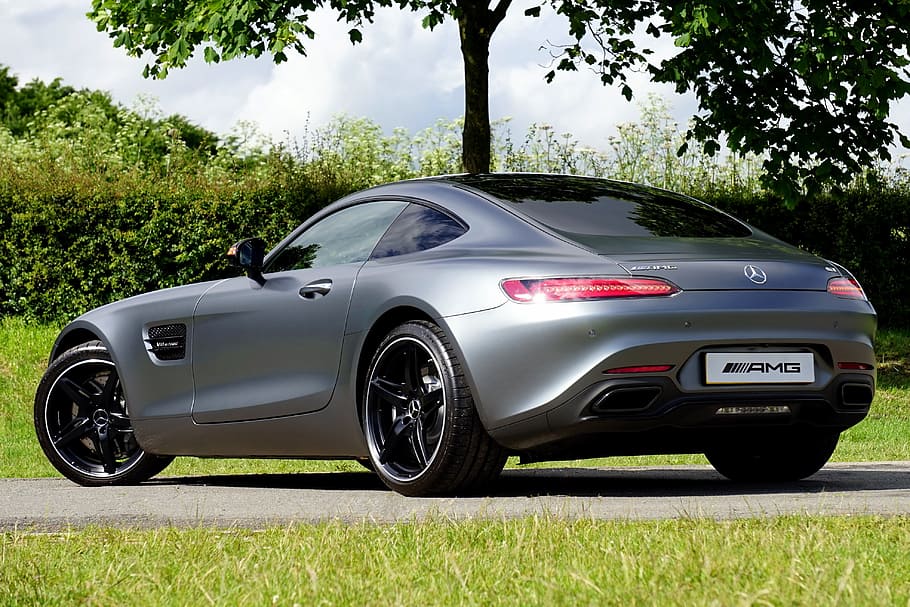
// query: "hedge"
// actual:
[[74, 240], [71, 242]]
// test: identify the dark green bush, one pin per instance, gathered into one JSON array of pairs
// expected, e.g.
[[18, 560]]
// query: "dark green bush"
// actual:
[[73, 240]]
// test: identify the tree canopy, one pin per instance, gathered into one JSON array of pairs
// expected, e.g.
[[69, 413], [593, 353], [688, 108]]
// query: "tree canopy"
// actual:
[[806, 84], [44, 110], [20, 104]]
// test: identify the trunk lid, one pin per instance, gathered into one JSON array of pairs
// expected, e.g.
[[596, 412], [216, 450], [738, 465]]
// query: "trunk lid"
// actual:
[[722, 264]]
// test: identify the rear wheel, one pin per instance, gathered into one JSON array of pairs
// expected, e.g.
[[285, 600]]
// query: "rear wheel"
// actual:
[[419, 418], [790, 459], [83, 425]]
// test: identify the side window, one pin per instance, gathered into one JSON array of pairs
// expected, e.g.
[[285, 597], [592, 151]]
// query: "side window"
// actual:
[[418, 228], [346, 236]]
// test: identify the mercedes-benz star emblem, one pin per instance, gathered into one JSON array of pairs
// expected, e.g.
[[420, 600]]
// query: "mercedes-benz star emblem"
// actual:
[[101, 418], [755, 274]]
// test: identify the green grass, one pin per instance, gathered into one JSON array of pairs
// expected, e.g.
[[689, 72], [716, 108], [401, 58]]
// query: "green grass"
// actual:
[[533, 561], [884, 434], [23, 356]]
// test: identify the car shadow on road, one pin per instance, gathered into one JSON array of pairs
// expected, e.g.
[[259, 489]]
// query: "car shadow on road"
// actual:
[[584, 482]]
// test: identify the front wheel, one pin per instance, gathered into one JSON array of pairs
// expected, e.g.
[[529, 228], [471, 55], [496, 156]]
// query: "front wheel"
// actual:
[[83, 425], [419, 418], [786, 459]]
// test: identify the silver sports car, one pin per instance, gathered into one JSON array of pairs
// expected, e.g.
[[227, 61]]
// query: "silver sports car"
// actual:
[[433, 327]]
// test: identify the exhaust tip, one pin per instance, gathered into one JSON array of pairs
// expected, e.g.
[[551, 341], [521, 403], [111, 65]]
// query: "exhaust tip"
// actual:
[[626, 398], [856, 395]]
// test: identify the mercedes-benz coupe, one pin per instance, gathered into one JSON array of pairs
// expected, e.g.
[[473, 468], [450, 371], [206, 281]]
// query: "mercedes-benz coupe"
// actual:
[[433, 327]]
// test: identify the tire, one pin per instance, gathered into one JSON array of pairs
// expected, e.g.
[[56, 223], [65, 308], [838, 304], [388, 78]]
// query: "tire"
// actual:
[[792, 458], [82, 421], [419, 419]]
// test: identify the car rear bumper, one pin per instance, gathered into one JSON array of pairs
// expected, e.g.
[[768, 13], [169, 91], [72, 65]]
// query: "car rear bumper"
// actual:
[[652, 415], [539, 370]]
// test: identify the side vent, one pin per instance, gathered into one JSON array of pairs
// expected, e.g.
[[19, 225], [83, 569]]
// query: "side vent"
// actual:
[[167, 342]]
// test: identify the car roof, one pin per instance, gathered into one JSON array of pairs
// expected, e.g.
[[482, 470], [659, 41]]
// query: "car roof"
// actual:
[[522, 186]]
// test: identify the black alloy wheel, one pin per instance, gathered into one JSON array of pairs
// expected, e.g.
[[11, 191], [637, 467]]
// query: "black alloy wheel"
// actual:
[[83, 425], [419, 419]]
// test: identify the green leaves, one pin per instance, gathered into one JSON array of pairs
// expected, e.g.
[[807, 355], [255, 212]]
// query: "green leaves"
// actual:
[[211, 55], [605, 43], [432, 19], [174, 31], [684, 40], [808, 85]]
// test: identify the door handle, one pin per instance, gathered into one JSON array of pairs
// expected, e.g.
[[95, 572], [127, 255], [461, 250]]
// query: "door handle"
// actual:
[[317, 287]]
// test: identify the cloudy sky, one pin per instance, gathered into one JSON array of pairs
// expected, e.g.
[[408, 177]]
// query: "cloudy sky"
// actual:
[[400, 76]]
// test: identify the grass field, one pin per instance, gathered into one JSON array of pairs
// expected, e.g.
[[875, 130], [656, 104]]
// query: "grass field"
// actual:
[[534, 561], [24, 349]]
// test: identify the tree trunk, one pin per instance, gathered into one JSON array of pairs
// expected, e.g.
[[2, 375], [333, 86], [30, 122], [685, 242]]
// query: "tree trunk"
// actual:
[[476, 24]]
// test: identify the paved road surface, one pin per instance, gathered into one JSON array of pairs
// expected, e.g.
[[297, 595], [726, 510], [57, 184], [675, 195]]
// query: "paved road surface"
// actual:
[[610, 493]]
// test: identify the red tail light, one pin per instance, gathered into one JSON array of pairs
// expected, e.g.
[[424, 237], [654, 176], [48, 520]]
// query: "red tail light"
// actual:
[[846, 288], [584, 289]]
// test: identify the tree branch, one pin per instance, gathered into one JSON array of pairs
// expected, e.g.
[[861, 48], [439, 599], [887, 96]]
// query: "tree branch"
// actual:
[[499, 13]]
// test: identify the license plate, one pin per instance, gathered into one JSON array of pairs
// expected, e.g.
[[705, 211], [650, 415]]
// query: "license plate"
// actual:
[[766, 368]]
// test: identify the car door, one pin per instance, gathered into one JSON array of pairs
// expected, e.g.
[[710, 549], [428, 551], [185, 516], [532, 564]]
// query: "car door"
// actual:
[[273, 349]]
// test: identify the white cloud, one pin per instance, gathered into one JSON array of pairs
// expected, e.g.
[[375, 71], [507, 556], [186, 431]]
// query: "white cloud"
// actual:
[[400, 75]]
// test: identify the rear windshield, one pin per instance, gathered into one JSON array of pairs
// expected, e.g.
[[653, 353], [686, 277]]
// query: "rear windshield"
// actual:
[[579, 207]]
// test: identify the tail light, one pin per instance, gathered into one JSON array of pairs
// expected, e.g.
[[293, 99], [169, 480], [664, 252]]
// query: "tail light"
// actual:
[[585, 289], [846, 288]]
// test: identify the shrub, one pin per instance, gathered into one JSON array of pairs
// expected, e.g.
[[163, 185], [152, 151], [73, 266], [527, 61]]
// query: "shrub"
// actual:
[[74, 240]]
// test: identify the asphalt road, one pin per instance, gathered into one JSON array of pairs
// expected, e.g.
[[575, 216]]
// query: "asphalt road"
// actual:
[[256, 501]]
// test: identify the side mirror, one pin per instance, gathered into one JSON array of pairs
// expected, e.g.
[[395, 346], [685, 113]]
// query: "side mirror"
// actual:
[[248, 254]]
